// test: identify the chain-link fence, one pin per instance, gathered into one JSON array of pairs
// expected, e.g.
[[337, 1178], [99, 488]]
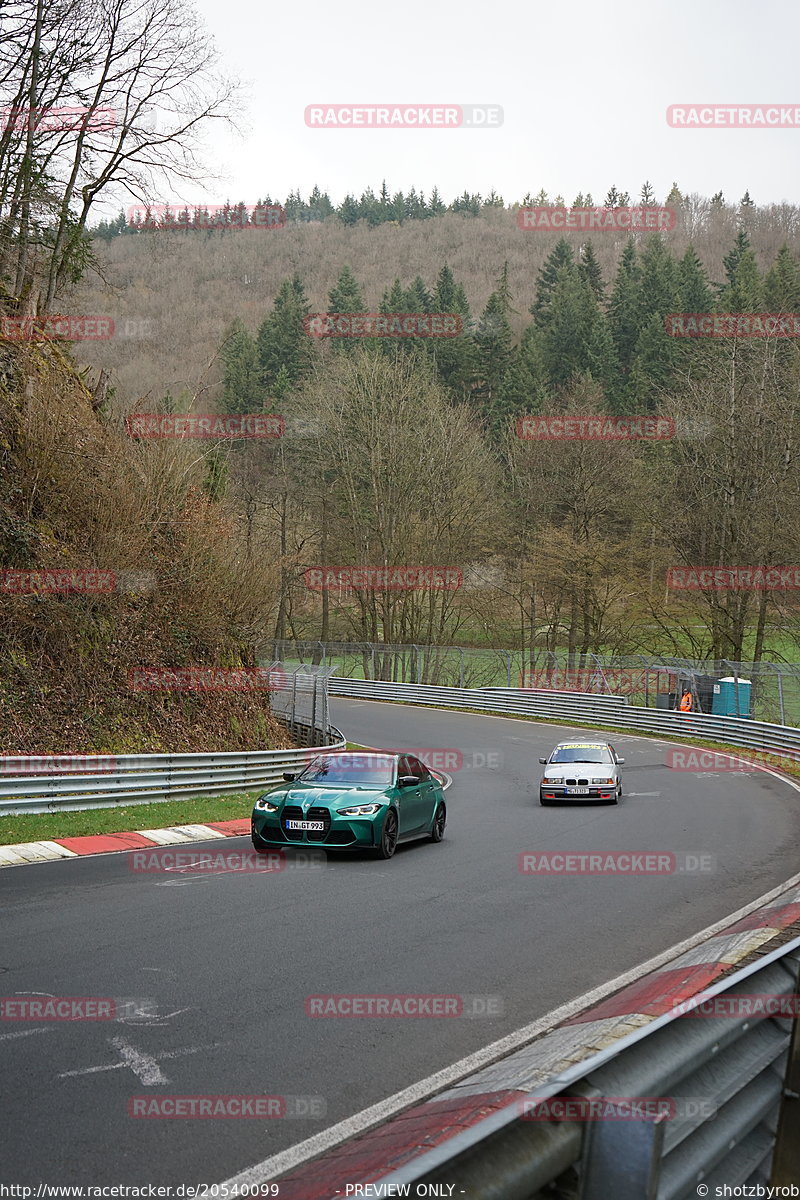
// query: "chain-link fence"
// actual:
[[650, 680], [300, 699]]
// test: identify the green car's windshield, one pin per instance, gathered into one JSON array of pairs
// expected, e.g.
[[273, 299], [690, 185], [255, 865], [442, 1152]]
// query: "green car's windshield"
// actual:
[[350, 768]]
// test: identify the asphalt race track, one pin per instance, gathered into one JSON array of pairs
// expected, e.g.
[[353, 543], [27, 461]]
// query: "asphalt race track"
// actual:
[[226, 961]]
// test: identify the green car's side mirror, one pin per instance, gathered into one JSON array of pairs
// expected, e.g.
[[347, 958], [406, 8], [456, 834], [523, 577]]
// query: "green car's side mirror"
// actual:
[[290, 776], [407, 781]]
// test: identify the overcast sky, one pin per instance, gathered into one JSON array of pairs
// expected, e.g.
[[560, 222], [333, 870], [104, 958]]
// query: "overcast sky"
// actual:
[[584, 87]]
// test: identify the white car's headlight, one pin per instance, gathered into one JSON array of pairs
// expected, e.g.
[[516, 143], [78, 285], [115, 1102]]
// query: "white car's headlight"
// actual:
[[605, 779], [265, 804], [360, 810], [552, 779]]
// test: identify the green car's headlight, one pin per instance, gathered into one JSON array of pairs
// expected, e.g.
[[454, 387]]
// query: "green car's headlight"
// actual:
[[265, 804], [360, 810]]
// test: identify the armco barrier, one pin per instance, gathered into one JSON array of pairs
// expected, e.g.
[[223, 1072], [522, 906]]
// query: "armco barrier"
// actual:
[[730, 1083], [584, 709], [148, 778]]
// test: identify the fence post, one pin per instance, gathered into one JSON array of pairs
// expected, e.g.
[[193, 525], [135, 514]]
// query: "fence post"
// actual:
[[780, 697], [460, 667]]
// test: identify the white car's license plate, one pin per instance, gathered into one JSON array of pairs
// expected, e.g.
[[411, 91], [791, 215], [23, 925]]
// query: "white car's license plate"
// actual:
[[577, 791], [308, 825]]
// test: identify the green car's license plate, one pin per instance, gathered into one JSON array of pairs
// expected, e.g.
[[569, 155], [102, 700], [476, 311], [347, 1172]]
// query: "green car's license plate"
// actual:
[[307, 825]]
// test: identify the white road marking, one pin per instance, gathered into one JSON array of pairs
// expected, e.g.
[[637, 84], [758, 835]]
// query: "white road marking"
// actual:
[[369, 1118], [150, 1062], [154, 1019], [5, 1037], [145, 1068]]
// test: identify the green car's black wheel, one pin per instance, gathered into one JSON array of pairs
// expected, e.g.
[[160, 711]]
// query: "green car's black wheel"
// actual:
[[439, 822], [388, 843], [258, 845]]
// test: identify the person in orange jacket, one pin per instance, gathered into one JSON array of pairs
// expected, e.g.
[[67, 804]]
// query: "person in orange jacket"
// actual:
[[687, 701]]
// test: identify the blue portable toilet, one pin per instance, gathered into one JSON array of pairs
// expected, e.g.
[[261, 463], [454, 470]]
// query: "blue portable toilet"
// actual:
[[723, 700]]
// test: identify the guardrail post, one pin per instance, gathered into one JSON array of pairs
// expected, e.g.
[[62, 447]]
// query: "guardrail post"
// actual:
[[786, 1159], [621, 1157]]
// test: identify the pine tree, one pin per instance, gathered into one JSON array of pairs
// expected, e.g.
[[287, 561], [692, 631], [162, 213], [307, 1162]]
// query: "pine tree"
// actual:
[[283, 343], [348, 211], [503, 290], [658, 279], [589, 268], [782, 284], [523, 389], [453, 358], [647, 194], [241, 386], [417, 298], [624, 314], [674, 199], [345, 296], [398, 208], [612, 197], [319, 205], [559, 260], [444, 293], [694, 290], [494, 343], [576, 340], [654, 363], [436, 205], [744, 289], [393, 300]]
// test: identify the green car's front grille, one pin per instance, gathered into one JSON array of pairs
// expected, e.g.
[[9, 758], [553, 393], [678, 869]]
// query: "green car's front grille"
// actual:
[[293, 812]]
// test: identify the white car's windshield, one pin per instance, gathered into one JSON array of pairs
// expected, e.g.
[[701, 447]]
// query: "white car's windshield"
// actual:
[[577, 754]]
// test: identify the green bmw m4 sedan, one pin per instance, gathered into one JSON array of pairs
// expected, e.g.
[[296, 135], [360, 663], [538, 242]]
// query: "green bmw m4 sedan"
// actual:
[[352, 801]]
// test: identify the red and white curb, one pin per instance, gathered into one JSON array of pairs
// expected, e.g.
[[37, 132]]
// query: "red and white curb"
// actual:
[[389, 1136], [110, 843]]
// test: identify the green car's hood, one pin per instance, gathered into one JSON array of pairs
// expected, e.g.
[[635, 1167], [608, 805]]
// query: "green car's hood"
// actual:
[[329, 797]]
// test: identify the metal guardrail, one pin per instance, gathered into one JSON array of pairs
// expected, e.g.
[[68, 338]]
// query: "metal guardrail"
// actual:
[[585, 709], [730, 1084], [147, 778]]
